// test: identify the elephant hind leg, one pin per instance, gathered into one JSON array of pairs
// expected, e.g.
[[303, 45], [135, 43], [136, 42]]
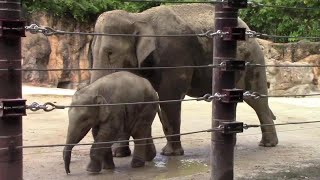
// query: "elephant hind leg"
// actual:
[[265, 115], [171, 121], [76, 133]]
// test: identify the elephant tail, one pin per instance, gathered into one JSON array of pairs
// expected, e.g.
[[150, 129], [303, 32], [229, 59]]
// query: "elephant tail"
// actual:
[[67, 158]]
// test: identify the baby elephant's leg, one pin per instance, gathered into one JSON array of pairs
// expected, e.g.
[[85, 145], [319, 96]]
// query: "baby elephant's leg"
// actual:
[[150, 148], [139, 153], [144, 150], [101, 153]]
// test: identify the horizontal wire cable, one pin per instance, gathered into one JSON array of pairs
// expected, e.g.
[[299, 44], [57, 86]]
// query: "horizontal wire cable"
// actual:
[[100, 69], [246, 126], [188, 140], [256, 95], [294, 95], [49, 106], [160, 67], [48, 31], [54, 106], [282, 65], [294, 37], [112, 142]]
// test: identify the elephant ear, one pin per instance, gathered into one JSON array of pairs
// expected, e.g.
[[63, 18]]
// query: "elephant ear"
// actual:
[[144, 45]]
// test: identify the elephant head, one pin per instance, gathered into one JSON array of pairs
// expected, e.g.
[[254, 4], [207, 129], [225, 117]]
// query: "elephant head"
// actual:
[[120, 51]]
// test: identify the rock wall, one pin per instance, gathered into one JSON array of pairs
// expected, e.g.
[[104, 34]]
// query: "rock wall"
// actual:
[[56, 52], [70, 51], [292, 80]]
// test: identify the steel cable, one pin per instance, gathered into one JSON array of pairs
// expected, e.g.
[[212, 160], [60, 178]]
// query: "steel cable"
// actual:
[[117, 69], [162, 67], [246, 126], [112, 142]]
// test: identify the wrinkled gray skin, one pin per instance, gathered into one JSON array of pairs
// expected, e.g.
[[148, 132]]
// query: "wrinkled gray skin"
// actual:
[[113, 121], [115, 51]]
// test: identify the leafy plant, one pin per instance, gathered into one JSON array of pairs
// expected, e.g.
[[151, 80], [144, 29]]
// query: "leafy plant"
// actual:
[[82, 10], [285, 21]]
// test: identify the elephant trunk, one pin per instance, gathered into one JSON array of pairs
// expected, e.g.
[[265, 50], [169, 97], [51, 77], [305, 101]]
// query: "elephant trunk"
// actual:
[[76, 132], [67, 158]]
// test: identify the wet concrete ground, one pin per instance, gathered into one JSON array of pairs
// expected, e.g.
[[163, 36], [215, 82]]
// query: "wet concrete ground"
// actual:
[[296, 157]]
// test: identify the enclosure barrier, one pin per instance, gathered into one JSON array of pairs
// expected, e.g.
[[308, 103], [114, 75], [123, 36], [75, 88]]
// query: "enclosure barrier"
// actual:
[[12, 107]]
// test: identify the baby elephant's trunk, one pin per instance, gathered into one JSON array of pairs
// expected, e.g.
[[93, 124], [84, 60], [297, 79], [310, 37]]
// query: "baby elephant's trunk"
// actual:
[[76, 132], [67, 158]]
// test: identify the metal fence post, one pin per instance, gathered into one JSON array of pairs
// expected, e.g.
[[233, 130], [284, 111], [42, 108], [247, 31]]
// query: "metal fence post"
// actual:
[[222, 147], [11, 30]]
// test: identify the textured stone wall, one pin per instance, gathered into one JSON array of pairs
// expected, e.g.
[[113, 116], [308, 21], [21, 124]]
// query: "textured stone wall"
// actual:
[[292, 80], [62, 51]]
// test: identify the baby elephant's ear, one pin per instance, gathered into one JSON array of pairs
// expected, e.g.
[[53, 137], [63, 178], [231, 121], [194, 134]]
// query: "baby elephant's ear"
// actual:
[[144, 45], [104, 111]]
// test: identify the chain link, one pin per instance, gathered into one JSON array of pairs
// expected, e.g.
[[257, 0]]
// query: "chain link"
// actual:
[[252, 95], [216, 96], [47, 107]]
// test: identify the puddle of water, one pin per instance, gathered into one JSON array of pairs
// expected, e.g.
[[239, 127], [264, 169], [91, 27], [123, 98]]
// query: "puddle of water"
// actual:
[[177, 166]]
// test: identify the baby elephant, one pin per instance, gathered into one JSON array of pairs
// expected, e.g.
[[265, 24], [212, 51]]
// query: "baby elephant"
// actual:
[[113, 121]]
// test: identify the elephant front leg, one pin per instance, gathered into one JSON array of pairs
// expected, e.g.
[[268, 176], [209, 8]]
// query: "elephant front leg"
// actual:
[[101, 154], [171, 119], [122, 149], [265, 115]]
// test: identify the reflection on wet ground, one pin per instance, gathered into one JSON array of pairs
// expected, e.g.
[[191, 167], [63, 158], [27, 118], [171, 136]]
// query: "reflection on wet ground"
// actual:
[[178, 166]]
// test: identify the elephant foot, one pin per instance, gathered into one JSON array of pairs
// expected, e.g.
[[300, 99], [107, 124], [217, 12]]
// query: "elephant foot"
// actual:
[[269, 141], [151, 153], [121, 152], [170, 150], [108, 166], [137, 162], [94, 166]]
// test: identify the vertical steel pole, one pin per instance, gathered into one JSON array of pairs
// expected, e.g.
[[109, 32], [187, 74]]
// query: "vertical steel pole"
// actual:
[[223, 145], [10, 88]]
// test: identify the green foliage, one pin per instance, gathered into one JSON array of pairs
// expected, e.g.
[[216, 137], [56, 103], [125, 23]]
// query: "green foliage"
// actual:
[[286, 22], [82, 10]]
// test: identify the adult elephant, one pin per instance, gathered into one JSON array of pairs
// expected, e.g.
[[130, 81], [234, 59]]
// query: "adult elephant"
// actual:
[[129, 51]]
